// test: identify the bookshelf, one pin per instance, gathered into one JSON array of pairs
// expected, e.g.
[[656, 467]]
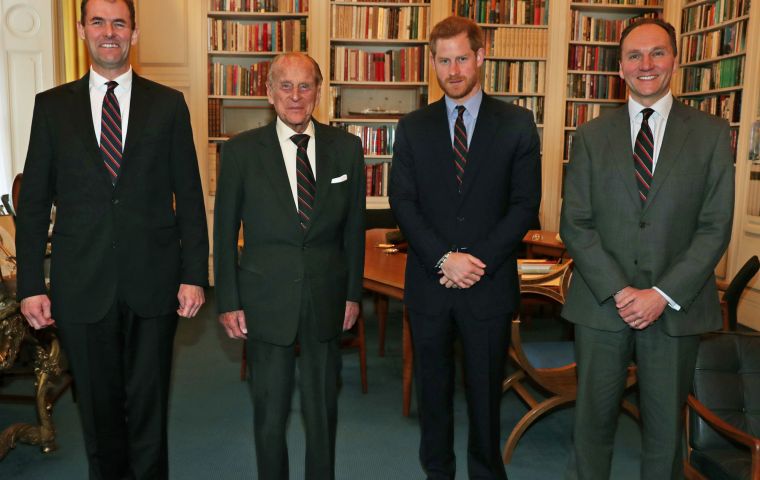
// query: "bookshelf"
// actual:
[[712, 44], [243, 38], [378, 71], [593, 82]]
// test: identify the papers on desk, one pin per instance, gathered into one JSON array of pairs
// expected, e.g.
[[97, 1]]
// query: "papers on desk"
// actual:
[[535, 266]]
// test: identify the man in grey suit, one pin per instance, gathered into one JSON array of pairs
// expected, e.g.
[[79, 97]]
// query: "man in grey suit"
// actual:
[[299, 276], [646, 216]]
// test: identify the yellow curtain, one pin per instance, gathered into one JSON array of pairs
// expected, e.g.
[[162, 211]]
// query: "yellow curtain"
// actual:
[[75, 59]]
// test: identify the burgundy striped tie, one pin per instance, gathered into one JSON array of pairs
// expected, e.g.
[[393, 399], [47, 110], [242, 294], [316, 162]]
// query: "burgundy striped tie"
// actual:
[[110, 132], [307, 186], [643, 156], [460, 144]]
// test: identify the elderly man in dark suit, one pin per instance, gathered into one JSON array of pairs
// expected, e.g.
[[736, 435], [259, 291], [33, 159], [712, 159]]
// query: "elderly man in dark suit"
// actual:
[[465, 187], [114, 152], [647, 214], [298, 188]]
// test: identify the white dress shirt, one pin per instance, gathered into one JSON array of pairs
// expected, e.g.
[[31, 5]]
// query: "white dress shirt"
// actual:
[[289, 151], [123, 93]]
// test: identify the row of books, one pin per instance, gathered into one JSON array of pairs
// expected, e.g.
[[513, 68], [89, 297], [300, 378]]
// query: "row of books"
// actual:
[[587, 28], [753, 199], [377, 179], [727, 40], [387, 1], [514, 76], [726, 106], [238, 80], [277, 36], [576, 114], [398, 65], [376, 139], [286, 6], [640, 3], [214, 117], [506, 12], [534, 104], [383, 23], [709, 14], [516, 42], [214, 161], [582, 85], [597, 59], [723, 74]]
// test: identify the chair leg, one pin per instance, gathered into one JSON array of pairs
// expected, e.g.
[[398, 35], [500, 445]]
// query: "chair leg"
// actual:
[[381, 309], [243, 362], [527, 420], [362, 353]]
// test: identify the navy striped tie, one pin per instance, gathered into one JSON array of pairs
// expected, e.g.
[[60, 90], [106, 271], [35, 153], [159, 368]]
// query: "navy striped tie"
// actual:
[[110, 132], [460, 145], [307, 186], [643, 156]]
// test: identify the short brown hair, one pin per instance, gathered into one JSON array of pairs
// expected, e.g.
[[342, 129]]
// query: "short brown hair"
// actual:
[[651, 21], [453, 26], [130, 6]]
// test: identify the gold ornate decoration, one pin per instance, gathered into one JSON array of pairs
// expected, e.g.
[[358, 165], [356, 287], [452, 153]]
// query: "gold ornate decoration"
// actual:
[[14, 335]]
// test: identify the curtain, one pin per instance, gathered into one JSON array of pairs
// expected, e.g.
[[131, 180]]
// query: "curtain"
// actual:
[[75, 58]]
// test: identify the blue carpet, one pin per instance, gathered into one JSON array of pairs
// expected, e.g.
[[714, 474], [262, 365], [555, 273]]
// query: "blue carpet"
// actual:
[[210, 431]]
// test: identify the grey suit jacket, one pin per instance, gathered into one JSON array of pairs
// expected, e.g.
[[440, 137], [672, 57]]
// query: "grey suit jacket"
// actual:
[[280, 262], [673, 242]]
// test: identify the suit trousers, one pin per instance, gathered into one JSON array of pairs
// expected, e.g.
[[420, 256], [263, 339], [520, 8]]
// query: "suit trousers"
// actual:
[[122, 368], [665, 371], [484, 343], [271, 383]]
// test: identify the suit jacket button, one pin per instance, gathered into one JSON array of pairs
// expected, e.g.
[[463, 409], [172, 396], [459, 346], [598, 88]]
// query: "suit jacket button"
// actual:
[[635, 262], [115, 201], [642, 224], [460, 219], [113, 244]]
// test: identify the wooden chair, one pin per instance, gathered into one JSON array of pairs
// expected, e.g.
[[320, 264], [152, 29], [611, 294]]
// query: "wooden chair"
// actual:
[[722, 420], [558, 381], [354, 339]]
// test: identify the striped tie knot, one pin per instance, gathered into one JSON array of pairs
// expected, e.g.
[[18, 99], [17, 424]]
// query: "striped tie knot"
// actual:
[[305, 182], [460, 144]]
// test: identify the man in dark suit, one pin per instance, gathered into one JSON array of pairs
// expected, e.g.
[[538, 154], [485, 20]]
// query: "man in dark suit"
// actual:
[[465, 186], [298, 188], [646, 216], [129, 245]]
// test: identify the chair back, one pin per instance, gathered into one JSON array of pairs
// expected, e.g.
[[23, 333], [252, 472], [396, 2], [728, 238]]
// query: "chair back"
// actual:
[[727, 381], [736, 288]]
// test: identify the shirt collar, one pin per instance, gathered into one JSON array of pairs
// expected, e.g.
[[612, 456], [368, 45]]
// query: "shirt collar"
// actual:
[[99, 81], [661, 107], [471, 105], [284, 132]]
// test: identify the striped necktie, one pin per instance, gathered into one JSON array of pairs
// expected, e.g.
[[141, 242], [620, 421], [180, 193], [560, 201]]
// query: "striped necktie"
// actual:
[[460, 145], [307, 186], [110, 132], [643, 156]]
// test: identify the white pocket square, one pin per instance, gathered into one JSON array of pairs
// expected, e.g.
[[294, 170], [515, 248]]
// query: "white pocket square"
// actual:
[[340, 179]]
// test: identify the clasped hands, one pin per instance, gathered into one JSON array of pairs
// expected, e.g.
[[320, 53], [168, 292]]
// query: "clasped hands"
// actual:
[[461, 270], [639, 308]]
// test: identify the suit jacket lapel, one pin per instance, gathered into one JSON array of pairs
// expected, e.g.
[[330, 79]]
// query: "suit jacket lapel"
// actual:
[[269, 154], [139, 108], [441, 144], [482, 139], [622, 151], [676, 133], [82, 113], [324, 151]]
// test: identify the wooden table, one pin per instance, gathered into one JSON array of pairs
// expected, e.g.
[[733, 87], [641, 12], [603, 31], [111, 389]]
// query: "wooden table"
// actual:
[[384, 274], [544, 243]]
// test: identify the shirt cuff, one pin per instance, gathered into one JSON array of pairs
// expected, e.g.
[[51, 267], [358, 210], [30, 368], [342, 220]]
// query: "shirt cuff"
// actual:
[[671, 303]]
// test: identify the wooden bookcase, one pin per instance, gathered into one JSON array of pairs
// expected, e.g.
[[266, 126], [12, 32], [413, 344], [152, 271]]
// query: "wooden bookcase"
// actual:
[[243, 38], [592, 68]]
